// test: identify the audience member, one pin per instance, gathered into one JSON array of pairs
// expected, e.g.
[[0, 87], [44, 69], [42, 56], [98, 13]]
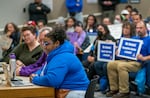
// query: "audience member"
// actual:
[[118, 70], [137, 18], [117, 19], [29, 69], [108, 8], [134, 12], [38, 11], [59, 71], [126, 15], [103, 35], [12, 32], [70, 27], [106, 21], [29, 51], [74, 8], [129, 8], [80, 39], [90, 24], [40, 24]]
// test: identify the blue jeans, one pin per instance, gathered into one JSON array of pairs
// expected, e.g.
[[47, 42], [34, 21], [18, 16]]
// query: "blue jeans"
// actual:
[[78, 16], [147, 65], [76, 94], [100, 68]]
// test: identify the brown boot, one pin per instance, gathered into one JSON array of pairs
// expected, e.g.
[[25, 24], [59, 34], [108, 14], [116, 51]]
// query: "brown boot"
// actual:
[[121, 95], [111, 93]]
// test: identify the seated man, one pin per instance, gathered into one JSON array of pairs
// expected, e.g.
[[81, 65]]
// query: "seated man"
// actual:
[[118, 70]]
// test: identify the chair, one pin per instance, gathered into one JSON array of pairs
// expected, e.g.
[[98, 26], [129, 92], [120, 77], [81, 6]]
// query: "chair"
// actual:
[[91, 88]]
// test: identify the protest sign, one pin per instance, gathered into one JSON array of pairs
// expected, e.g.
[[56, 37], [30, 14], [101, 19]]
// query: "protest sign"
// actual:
[[129, 48], [115, 30], [106, 51], [92, 36]]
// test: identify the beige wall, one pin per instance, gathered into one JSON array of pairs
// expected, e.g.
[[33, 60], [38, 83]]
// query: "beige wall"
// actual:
[[143, 7], [59, 8], [13, 12]]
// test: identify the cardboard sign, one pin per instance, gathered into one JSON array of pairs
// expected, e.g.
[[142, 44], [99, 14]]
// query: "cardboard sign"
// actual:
[[106, 51], [129, 48], [115, 30]]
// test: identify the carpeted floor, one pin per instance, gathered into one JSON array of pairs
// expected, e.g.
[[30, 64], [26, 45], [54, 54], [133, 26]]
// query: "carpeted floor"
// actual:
[[132, 95]]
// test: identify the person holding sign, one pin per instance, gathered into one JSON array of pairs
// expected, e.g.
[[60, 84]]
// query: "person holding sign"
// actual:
[[101, 66], [118, 70], [128, 31], [103, 35]]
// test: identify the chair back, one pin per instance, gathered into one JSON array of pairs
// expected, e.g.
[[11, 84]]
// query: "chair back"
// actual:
[[91, 88]]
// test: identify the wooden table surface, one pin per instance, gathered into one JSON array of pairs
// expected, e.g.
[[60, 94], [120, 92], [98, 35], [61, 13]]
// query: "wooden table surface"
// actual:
[[26, 91]]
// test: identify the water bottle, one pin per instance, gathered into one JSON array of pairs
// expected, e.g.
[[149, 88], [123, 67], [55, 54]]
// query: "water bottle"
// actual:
[[12, 62]]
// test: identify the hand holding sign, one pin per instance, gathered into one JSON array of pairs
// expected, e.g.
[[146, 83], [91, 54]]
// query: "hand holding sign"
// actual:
[[129, 48], [141, 57], [106, 51]]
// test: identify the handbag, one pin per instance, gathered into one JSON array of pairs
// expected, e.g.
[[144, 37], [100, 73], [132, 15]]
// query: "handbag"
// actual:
[[61, 93]]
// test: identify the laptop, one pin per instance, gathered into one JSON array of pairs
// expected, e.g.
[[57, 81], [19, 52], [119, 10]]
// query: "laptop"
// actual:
[[15, 82]]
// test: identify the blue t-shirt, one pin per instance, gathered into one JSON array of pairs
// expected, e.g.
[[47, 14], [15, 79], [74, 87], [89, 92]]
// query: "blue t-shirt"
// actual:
[[145, 50]]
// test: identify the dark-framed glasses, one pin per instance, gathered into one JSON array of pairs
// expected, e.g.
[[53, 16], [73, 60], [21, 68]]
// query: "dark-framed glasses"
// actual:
[[45, 43]]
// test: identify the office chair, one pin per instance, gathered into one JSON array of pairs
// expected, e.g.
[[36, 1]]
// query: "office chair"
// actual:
[[90, 90]]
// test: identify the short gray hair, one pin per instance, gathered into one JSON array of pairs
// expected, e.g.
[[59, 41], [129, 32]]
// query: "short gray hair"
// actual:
[[49, 29]]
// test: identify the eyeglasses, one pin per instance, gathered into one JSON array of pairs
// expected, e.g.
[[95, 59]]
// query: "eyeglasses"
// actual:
[[45, 43]]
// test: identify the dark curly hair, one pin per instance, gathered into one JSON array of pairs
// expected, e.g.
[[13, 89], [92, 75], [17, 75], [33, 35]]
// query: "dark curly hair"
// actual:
[[57, 34]]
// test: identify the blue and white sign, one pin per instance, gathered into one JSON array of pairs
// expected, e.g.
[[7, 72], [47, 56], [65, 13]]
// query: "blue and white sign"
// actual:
[[129, 48], [106, 51], [92, 36]]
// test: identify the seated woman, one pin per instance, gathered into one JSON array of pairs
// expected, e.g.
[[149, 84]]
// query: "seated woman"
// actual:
[[11, 31], [91, 24], [29, 69], [63, 69], [103, 34], [79, 39], [29, 51], [70, 27]]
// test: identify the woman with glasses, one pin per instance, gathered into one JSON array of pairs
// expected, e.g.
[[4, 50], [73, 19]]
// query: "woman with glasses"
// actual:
[[63, 70], [29, 51]]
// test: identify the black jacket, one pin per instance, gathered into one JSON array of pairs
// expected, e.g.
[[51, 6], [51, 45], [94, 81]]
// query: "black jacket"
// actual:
[[35, 14], [111, 7]]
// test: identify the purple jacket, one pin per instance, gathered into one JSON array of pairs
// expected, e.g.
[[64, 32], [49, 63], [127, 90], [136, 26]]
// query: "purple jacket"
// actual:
[[75, 37], [29, 69]]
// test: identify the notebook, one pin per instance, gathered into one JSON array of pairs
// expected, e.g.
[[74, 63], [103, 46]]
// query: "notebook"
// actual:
[[15, 82]]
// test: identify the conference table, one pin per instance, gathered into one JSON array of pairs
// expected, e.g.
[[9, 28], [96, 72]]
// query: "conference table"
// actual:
[[32, 91]]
